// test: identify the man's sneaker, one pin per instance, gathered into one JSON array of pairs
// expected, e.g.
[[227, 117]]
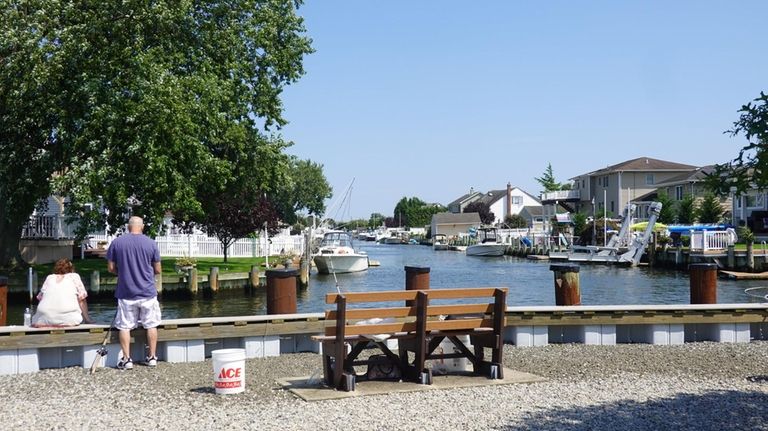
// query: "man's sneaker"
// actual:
[[151, 361], [125, 364]]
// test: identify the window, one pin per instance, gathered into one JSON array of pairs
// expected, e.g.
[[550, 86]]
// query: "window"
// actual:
[[679, 193], [649, 179], [753, 201], [605, 181], [612, 206], [517, 200]]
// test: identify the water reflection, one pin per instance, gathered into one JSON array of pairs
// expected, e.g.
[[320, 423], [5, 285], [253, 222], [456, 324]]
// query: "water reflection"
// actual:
[[529, 283]]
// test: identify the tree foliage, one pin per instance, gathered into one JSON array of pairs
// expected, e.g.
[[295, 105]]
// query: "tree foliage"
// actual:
[[483, 210], [515, 221], [414, 212], [375, 220], [687, 210], [143, 107], [237, 215], [304, 189], [548, 182], [579, 223], [667, 213], [710, 210], [750, 168]]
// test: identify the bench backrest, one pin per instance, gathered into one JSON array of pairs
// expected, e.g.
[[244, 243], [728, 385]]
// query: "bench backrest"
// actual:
[[409, 318]]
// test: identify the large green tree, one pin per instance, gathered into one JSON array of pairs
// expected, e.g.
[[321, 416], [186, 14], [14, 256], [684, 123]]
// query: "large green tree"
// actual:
[[548, 182], [710, 209], [414, 212], [667, 213], [143, 107], [750, 168], [687, 210]]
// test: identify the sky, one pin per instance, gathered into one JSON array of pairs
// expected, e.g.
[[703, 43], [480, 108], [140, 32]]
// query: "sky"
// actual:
[[428, 99]]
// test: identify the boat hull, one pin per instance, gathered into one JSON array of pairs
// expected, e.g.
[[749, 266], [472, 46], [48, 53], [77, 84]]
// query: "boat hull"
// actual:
[[340, 263], [486, 250]]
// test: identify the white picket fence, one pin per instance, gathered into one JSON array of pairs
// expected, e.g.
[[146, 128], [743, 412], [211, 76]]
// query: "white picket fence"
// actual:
[[205, 246], [705, 240]]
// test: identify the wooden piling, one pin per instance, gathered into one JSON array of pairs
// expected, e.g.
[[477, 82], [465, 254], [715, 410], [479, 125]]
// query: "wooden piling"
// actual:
[[731, 256], [303, 272], [192, 280], [253, 276], [567, 290], [703, 282], [3, 301], [416, 278], [281, 291], [213, 279]]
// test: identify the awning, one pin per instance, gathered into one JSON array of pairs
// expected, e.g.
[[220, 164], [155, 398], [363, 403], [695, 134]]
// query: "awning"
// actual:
[[563, 218]]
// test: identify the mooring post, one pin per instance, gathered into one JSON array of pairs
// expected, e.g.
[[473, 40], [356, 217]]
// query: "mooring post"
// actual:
[[3, 300], [652, 250], [416, 278], [567, 290], [213, 279], [253, 275], [304, 272], [95, 282], [281, 291], [192, 280], [731, 256], [703, 279]]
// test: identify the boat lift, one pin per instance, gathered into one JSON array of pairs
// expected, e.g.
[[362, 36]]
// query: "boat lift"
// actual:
[[610, 253]]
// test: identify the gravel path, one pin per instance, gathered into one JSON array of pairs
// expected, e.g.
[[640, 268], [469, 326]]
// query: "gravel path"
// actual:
[[699, 386]]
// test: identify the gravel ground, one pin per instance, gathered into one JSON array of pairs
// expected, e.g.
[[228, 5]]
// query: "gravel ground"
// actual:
[[698, 386]]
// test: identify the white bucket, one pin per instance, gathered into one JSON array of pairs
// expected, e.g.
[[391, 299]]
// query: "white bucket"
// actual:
[[228, 370]]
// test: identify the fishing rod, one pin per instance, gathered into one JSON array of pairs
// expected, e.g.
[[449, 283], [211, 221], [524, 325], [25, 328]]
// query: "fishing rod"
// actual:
[[102, 351]]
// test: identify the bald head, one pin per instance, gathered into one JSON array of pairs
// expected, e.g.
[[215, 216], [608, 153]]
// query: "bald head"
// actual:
[[135, 224]]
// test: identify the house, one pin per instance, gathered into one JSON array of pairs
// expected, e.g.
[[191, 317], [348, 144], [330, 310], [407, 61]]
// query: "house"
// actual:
[[611, 188], [501, 203], [452, 224], [534, 215], [462, 202]]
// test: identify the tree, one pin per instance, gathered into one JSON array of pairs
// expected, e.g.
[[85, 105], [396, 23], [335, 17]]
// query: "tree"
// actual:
[[750, 168], [579, 223], [548, 182], [515, 221], [667, 213], [710, 210], [376, 220], [142, 107], [483, 210], [687, 210], [304, 188], [414, 212], [237, 215]]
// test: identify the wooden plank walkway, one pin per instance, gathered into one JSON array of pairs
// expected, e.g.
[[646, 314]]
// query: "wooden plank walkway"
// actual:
[[745, 275]]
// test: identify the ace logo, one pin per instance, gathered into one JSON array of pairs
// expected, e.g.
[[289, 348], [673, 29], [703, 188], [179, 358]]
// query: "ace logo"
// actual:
[[230, 373]]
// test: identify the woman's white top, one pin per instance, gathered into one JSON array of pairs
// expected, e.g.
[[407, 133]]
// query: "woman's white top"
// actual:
[[59, 301]]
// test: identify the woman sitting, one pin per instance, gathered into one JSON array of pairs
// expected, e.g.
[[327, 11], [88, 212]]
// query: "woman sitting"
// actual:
[[62, 298]]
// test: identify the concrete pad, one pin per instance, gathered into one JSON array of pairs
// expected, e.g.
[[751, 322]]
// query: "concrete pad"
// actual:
[[310, 389]]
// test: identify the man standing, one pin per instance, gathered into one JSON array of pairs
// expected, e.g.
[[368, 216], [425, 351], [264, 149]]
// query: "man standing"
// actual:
[[135, 258]]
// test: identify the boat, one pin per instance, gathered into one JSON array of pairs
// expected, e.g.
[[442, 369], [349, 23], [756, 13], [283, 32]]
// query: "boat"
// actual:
[[393, 238], [439, 242], [336, 255], [487, 244]]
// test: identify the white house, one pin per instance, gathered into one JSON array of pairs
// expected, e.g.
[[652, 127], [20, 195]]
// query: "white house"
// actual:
[[511, 201]]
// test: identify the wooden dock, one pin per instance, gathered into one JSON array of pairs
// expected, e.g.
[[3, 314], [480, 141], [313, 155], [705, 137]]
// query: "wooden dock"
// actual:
[[735, 275]]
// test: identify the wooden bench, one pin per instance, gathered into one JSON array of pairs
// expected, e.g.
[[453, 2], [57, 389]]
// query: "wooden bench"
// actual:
[[418, 326]]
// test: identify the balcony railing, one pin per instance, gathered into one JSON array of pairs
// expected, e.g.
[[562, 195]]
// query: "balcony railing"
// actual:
[[561, 195], [47, 227]]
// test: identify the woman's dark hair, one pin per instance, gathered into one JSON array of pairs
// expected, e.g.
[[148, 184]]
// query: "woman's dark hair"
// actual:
[[63, 266]]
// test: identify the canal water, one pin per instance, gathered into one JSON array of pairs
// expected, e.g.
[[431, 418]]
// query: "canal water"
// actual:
[[529, 283]]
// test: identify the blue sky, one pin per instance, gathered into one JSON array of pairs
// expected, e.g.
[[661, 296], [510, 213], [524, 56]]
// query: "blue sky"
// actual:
[[430, 98]]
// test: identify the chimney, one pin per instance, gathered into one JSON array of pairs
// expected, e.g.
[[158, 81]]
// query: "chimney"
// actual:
[[509, 199]]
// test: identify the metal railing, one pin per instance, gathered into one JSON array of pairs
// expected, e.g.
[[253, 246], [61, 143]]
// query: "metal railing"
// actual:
[[561, 195]]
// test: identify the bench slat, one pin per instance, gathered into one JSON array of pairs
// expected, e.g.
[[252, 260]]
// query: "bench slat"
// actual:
[[459, 324], [380, 328], [432, 310], [410, 295]]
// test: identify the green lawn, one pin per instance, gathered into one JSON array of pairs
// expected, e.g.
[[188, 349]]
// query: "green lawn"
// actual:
[[204, 264]]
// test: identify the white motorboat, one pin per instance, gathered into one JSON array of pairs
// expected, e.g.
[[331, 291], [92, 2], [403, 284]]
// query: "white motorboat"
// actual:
[[487, 244], [439, 242], [336, 255]]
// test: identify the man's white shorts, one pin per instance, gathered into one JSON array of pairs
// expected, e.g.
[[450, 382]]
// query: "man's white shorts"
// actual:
[[134, 312]]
